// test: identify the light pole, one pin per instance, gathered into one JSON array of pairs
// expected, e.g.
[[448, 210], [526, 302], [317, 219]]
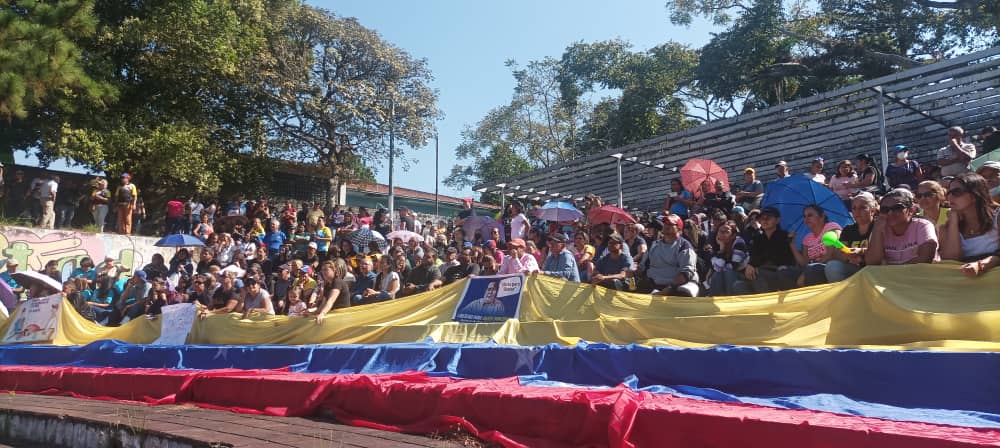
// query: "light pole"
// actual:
[[392, 155], [618, 157], [437, 210]]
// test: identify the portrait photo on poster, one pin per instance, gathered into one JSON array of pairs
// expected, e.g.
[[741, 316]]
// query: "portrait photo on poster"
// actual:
[[493, 298]]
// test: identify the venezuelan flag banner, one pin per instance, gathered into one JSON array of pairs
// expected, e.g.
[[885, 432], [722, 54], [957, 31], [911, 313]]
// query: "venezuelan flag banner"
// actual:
[[895, 356]]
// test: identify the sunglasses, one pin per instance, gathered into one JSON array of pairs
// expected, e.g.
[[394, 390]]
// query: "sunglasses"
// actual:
[[929, 194], [898, 208], [956, 192]]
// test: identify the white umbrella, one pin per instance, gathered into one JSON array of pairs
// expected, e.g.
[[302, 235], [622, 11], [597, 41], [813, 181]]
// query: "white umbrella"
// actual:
[[28, 278]]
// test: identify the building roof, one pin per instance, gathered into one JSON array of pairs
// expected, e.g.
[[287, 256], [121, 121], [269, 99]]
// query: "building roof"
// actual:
[[414, 194]]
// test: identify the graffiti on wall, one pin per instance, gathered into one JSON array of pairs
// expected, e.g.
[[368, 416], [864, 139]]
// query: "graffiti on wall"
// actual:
[[33, 248]]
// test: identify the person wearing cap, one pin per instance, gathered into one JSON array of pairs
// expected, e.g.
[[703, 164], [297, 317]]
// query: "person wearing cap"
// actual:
[[781, 169], [899, 237], [425, 277], [772, 265], [955, 156], [47, 201], [7, 277], [280, 285], [753, 190], [131, 302], [125, 204], [517, 259], [990, 171], [816, 171], [670, 264], [611, 270], [303, 279], [560, 262], [311, 257], [903, 171]]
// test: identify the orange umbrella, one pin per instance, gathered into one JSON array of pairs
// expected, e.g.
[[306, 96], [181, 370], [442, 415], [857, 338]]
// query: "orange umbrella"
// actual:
[[697, 171]]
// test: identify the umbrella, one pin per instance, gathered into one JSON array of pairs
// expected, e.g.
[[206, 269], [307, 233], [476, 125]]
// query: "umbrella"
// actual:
[[179, 240], [609, 214], [363, 236], [696, 171], [482, 224], [7, 296], [405, 235], [28, 278], [792, 194], [558, 211]]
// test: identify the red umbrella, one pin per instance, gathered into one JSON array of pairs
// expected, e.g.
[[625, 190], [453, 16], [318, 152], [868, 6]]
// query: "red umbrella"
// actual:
[[697, 171], [609, 214]]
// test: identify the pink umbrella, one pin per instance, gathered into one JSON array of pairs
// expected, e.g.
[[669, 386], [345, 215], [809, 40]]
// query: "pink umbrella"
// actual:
[[696, 171], [609, 214]]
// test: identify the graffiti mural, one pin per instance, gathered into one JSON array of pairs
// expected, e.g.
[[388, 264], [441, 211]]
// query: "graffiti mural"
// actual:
[[33, 248]]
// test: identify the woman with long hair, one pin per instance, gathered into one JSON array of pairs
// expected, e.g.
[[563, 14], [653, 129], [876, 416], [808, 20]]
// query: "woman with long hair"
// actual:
[[844, 182], [812, 254], [728, 260], [972, 233], [931, 199]]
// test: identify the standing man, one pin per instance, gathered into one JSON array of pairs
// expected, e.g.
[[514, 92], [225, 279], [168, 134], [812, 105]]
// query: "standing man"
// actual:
[[125, 198], [519, 224], [954, 158], [47, 199], [560, 262]]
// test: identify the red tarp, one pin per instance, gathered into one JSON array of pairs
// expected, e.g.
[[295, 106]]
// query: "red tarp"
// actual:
[[500, 410]]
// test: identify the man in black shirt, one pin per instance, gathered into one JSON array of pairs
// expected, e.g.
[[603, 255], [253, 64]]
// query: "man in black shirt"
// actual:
[[772, 265], [425, 277], [463, 269]]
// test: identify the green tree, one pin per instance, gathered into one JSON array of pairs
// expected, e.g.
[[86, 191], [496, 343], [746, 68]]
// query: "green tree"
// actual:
[[42, 63], [339, 90], [500, 162]]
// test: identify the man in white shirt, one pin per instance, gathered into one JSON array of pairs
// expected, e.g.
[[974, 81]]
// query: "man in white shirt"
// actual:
[[954, 158], [518, 260], [519, 224], [47, 199]]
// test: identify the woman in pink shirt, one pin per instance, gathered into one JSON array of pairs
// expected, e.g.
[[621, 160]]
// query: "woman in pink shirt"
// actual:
[[844, 182], [812, 255], [898, 237], [518, 260]]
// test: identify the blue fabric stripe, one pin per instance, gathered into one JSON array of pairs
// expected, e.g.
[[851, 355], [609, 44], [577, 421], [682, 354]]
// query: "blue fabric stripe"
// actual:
[[921, 380]]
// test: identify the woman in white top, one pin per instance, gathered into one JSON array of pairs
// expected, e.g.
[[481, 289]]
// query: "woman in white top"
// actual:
[[972, 233], [844, 182], [224, 251], [387, 282]]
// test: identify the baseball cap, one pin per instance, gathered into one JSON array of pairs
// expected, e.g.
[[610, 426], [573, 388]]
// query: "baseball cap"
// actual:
[[739, 209], [616, 237], [516, 242], [781, 163], [769, 210], [12, 262], [313, 245], [306, 270], [559, 237], [749, 170], [141, 275], [467, 244], [126, 176], [675, 220], [992, 164], [284, 267], [467, 199], [899, 148], [818, 159]]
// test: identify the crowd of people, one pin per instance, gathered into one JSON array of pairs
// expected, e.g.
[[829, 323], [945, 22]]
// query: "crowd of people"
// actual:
[[307, 261]]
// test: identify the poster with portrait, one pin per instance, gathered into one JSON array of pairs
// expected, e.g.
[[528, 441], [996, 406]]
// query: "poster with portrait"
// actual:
[[493, 298], [34, 320]]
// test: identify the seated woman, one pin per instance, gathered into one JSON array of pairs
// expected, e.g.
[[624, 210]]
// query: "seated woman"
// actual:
[[583, 252], [972, 233], [930, 198], [387, 281], [334, 292], [899, 237], [855, 236], [812, 255], [728, 261]]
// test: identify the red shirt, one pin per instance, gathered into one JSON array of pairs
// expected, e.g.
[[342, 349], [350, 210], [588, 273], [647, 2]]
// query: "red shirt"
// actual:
[[175, 209]]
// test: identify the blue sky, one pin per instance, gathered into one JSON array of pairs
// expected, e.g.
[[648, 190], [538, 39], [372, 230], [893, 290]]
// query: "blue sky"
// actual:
[[466, 43]]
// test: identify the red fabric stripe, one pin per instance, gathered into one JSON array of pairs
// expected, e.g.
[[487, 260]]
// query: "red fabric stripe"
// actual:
[[499, 410]]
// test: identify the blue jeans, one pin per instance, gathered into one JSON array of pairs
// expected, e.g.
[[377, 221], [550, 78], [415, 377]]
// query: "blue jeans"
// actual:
[[837, 270], [722, 283], [768, 280]]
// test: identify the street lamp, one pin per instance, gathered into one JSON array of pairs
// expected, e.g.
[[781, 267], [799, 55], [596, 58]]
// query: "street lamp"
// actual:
[[618, 157]]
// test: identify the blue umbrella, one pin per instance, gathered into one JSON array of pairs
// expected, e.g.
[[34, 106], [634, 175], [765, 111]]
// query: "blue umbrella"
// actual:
[[179, 240], [792, 194], [559, 211]]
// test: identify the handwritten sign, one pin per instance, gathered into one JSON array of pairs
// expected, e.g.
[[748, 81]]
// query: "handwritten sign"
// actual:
[[34, 321], [175, 324], [493, 298]]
